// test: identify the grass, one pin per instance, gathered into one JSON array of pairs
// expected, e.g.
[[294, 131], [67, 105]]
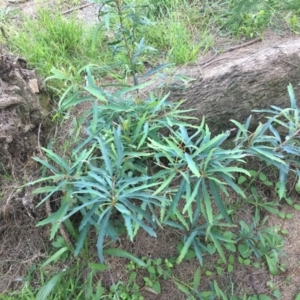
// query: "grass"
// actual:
[[182, 31], [64, 43]]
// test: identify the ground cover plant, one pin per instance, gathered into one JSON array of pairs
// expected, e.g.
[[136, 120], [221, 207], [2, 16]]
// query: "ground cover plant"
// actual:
[[137, 163]]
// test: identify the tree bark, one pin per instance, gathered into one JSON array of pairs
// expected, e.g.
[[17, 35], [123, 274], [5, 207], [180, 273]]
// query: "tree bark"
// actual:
[[236, 82]]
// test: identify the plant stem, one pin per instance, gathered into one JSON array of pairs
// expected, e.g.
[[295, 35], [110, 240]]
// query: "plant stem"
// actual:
[[123, 32]]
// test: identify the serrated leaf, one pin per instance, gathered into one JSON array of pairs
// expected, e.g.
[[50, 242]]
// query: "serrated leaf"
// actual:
[[192, 165], [186, 246]]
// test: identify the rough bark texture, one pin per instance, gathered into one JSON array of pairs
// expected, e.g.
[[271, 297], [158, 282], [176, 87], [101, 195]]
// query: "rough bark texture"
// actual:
[[236, 82], [20, 114]]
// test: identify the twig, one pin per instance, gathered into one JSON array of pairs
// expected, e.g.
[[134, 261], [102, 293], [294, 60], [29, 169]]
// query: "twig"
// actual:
[[243, 45], [211, 61], [76, 8]]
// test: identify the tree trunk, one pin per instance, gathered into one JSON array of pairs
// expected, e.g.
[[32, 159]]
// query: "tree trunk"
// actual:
[[236, 82]]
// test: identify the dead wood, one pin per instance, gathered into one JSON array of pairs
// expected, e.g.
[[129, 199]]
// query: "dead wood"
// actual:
[[236, 82]]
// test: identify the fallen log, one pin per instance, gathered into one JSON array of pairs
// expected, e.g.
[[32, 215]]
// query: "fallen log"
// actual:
[[236, 82]]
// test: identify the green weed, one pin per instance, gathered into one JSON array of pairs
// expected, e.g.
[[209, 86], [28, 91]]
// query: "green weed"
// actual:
[[65, 43]]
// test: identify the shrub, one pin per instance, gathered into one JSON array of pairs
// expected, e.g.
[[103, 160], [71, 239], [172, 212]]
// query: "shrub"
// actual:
[[140, 159]]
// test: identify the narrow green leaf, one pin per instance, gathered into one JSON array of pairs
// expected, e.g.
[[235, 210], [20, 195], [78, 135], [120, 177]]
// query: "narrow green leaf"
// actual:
[[98, 267], [186, 246], [97, 92], [292, 96], [57, 159], [207, 202], [55, 256], [145, 135], [102, 233], [191, 198], [81, 239], [124, 254], [182, 287], [45, 290], [165, 183], [46, 164], [192, 165], [103, 148], [218, 247], [219, 201], [196, 281], [264, 297]]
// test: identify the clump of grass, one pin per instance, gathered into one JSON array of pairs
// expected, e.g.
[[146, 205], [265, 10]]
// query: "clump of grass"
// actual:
[[177, 33], [53, 40]]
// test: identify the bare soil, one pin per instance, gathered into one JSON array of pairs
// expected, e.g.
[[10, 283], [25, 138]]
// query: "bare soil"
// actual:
[[24, 129]]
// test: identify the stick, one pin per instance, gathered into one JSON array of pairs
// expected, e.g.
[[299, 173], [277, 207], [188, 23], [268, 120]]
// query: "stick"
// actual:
[[76, 8]]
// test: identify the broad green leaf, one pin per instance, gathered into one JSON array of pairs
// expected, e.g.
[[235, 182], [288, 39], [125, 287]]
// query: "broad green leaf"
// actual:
[[242, 179], [124, 254], [156, 287]]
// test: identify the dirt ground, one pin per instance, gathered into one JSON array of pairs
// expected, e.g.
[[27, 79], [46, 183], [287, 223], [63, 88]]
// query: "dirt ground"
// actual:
[[22, 244]]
